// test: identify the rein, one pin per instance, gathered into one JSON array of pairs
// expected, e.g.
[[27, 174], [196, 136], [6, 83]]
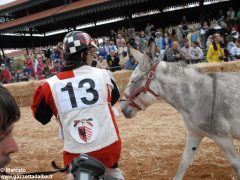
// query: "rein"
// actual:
[[144, 89]]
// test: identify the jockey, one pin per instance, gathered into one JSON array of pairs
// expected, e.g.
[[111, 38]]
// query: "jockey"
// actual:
[[81, 98]]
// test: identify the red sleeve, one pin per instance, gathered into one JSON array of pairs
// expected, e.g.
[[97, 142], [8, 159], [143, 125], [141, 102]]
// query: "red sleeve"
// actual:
[[43, 106]]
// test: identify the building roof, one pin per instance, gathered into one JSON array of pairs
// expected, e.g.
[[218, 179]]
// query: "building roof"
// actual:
[[50, 15], [12, 5]]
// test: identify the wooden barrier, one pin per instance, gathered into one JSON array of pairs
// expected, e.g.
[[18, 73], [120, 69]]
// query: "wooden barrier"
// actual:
[[23, 91]]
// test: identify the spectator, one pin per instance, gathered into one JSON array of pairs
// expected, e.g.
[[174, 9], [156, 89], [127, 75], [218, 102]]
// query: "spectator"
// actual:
[[131, 63], [180, 35], [209, 41], [7, 62], [120, 41], [221, 16], [38, 68], [195, 36], [6, 75], [230, 43], [234, 33], [81, 98], [46, 73], [102, 63], [29, 63], [230, 14], [148, 28], [238, 15], [18, 75], [173, 54], [216, 52], [184, 23], [158, 39], [167, 42], [185, 51], [26, 73], [203, 32], [235, 51], [142, 41], [158, 54], [102, 49], [10, 113], [195, 53], [113, 61], [113, 34], [124, 57], [113, 47]]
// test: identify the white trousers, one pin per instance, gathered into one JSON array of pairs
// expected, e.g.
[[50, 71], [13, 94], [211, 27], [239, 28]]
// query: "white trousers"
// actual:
[[116, 173]]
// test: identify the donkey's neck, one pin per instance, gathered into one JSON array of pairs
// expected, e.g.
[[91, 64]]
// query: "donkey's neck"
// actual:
[[180, 86]]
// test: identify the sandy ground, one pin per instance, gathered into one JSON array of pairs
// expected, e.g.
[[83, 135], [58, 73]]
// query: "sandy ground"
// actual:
[[153, 142]]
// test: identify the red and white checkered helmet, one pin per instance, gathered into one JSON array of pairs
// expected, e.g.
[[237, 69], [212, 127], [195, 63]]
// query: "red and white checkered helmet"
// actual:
[[75, 41]]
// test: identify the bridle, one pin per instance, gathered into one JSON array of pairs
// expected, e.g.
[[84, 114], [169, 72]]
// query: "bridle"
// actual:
[[144, 89]]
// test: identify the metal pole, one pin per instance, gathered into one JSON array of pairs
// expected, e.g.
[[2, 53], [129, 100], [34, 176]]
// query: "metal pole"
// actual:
[[3, 54]]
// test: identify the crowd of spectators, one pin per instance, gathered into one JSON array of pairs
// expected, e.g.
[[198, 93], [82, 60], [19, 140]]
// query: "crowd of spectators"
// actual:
[[188, 42]]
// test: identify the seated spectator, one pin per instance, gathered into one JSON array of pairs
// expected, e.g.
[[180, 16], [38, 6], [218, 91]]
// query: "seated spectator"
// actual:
[[203, 31], [142, 41], [113, 47], [124, 57], [18, 75], [113, 61], [234, 33], [230, 43], [102, 49], [5, 75], [158, 55], [158, 39], [235, 51], [230, 14], [216, 51], [166, 42], [195, 53], [26, 73], [46, 72], [102, 63], [209, 41], [120, 41], [173, 54], [131, 63], [185, 51]]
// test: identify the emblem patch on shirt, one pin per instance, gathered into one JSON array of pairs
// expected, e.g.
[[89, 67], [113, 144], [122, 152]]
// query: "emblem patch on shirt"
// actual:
[[84, 130]]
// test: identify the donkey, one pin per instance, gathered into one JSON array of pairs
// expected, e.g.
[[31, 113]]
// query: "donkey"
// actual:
[[209, 103]]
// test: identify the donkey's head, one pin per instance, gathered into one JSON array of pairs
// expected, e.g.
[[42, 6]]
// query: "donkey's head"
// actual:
[[141, 89]]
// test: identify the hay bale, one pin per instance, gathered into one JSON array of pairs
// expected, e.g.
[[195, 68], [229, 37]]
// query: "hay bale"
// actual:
[[23, 91], [233, 66], [122, 77]]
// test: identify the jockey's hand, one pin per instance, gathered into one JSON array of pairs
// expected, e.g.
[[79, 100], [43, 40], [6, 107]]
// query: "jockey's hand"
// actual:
[[177, 56], [69, 177]]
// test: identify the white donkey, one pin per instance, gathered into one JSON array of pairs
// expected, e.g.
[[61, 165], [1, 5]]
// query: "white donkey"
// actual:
[[209, 104]]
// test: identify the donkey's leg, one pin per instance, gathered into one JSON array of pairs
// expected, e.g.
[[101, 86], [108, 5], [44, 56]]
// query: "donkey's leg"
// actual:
[[191, 146], [227, 146]]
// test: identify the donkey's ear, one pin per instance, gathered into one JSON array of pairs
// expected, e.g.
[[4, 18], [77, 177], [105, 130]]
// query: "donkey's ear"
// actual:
[[150, 50], [138, 56]]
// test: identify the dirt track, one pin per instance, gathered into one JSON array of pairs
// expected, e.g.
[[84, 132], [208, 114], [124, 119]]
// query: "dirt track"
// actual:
[[152, 146]]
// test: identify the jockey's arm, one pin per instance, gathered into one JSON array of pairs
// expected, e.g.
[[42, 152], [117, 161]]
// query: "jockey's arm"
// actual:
[[115, 93], [40, 107]]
